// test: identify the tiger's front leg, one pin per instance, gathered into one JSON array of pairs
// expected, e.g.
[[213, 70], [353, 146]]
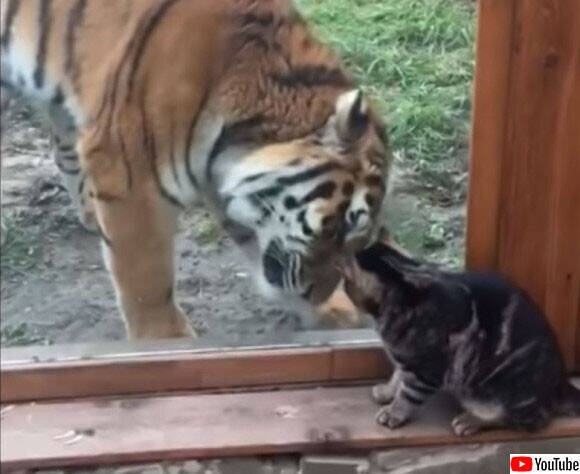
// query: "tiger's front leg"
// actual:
[[138, 232], [63, 152]]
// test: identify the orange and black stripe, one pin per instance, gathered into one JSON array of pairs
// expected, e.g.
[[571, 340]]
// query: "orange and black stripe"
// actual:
[[143, 33], [150, 147]]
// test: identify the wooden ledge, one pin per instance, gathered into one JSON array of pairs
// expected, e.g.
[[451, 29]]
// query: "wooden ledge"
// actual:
[[123, 368], [145, 429]]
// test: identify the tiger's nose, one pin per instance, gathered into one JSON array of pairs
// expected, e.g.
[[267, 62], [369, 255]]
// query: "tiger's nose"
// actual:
[[355, 217]]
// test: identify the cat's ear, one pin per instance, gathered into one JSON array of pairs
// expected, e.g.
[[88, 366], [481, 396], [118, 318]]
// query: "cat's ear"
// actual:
[[398, 254], [419, 280], [370, 259], [391, 266], [409, 270], [383, 255]]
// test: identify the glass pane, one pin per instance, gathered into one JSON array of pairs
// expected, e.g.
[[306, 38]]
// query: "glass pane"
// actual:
[[414, 60]]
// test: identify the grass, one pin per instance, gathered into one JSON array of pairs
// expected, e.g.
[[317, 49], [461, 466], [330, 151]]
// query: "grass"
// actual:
[[207, 232], [21, 335], [415, 57], [20, 251]]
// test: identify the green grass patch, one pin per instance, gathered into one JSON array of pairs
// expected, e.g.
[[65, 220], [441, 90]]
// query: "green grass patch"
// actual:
[[21, 335], [207, 232], [19, 252], [415, 57]]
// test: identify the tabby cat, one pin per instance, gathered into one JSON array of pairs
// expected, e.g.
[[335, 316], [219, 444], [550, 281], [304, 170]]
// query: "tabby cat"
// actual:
[[155, 104], [473, 334]]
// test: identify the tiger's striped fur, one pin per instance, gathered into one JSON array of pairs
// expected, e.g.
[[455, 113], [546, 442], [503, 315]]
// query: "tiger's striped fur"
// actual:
[[155, 104]]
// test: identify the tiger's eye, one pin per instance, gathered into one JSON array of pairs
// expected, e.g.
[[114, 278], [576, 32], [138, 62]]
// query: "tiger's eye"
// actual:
[[290, 202]]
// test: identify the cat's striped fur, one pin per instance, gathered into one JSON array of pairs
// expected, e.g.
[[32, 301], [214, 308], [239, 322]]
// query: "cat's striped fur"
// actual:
[[473, 334]]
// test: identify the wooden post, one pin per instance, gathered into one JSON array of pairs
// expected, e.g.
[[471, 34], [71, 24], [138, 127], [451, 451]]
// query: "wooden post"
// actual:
[[524, 203]]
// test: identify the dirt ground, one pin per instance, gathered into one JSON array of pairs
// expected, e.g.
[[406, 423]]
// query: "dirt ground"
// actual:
[[55, 289]]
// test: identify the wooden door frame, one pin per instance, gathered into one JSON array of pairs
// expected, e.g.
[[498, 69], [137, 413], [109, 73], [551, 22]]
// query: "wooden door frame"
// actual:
[[524, 197]]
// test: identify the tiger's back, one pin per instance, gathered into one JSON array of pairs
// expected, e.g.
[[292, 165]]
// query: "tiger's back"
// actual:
[[155, 103], [52, 50]]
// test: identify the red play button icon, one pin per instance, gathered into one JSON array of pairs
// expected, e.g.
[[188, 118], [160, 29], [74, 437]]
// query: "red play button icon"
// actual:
[[521, 464]]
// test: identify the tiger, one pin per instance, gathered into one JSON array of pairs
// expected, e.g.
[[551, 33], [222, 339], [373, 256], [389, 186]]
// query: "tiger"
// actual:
[[159, 105]]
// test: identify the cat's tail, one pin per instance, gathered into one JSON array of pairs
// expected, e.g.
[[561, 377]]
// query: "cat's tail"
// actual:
[[569, 400]]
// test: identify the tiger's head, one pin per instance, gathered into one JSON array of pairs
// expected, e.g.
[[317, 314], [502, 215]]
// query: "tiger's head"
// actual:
[[299, 205]]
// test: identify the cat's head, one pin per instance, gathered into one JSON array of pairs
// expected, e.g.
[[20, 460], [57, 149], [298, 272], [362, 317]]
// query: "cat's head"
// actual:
[[383, 272]]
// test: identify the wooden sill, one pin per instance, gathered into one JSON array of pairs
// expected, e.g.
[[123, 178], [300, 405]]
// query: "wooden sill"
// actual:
[[123, 368], [161, 428]]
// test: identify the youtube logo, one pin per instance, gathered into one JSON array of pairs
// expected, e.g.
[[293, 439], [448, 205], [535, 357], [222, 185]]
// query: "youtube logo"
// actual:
[[552, 463], [521, 464]]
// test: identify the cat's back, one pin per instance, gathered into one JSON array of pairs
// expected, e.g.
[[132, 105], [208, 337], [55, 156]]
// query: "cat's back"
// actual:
[[501, 303]]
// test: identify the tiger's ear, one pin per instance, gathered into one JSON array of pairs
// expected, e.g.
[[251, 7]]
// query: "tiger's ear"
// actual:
[[351, 111]]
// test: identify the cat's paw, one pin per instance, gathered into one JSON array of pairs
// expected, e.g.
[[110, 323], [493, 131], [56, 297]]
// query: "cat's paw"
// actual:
[[466, 424], [383, 393], [388, 417]]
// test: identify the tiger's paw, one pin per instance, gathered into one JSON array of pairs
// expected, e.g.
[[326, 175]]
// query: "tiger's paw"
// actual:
[[172, 324], [164, 332]]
